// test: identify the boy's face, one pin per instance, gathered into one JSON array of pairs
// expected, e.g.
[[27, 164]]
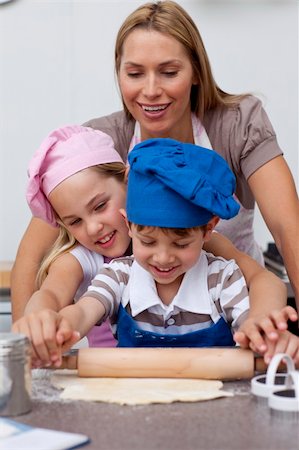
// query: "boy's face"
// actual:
[[166, 255]]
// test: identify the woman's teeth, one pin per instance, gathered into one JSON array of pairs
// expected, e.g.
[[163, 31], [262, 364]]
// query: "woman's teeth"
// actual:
[[154, 108]]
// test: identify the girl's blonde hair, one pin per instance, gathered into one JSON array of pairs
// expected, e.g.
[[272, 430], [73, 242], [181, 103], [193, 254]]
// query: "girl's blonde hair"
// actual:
[[65, 240], [167, 17]]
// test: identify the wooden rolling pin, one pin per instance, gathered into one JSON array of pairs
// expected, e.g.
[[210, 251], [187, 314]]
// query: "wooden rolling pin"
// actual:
[[220, 363]]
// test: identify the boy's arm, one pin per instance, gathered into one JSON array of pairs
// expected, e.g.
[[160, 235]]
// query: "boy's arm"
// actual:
[[81, 317], [100, 301]]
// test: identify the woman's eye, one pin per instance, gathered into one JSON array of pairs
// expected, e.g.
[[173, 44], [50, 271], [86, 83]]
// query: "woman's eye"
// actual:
[[134, 74], [170, 73]]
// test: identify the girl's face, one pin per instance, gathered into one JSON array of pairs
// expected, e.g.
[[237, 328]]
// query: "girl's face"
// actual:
[[88, 204], [155, 79]]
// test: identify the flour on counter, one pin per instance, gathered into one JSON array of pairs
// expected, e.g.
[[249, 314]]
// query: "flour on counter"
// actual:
[[42, 389]]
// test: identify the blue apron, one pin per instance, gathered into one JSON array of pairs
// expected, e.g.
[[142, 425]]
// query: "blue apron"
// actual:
[[129, 335]]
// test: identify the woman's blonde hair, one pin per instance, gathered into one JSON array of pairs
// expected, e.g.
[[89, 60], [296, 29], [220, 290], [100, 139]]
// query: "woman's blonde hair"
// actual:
[[167, 17], [65, 240]]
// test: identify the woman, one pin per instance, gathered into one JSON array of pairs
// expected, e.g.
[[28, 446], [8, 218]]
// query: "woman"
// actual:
[[162, 99], [168, 90]]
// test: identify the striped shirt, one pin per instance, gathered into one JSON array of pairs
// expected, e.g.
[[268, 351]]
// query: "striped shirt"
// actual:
[[211, 289]]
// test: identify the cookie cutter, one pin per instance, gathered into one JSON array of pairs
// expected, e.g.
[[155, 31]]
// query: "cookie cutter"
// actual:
[[286, 398], [263, 385]]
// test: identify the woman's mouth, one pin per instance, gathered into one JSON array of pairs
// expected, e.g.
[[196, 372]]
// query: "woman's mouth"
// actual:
[[154, 108], [154, 111]]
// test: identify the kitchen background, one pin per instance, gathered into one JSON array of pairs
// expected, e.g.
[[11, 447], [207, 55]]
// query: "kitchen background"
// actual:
[[56, 67]]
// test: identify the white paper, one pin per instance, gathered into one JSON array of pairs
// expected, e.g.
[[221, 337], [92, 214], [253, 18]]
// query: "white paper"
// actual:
[[17, 436]]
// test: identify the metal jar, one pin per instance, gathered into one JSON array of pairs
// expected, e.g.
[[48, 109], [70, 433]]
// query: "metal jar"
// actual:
[[15, 374]]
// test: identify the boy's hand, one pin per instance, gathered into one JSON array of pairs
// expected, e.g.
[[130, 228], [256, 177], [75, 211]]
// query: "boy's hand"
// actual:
[[47, 331], [65, 338], [257, 333], [287, 342]]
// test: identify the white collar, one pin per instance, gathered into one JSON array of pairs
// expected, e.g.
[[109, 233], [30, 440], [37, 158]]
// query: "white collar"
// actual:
[[199, 133], [193, 295]]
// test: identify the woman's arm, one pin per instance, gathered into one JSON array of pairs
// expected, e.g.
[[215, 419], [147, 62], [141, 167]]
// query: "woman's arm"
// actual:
[[261, 282], [274, 190], [36, 241], [267, 292]]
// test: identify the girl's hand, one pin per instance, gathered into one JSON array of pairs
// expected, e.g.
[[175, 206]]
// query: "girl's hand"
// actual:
[[41, 328], [257, 332]]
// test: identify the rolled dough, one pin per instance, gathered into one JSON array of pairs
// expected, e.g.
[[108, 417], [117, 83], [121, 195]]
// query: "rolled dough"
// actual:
[[136, 391]]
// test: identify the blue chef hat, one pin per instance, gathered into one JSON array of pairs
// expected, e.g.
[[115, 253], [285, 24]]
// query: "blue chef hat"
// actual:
[[177, 185]]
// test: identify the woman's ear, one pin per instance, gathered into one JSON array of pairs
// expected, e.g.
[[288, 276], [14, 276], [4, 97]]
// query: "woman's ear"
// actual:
[[209, 228], [195, 80]]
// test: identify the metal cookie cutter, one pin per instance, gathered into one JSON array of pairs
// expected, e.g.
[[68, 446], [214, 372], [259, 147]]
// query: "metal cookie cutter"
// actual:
[[263, 385], [286, 399]]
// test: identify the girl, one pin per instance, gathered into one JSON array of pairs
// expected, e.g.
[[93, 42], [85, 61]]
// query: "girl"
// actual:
[[76, 184]]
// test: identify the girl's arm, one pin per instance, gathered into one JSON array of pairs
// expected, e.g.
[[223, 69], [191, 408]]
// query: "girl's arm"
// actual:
[[274, 190], [59, 287], [37, 240]]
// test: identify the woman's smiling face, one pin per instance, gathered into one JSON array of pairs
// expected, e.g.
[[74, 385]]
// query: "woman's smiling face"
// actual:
[[155, 78]]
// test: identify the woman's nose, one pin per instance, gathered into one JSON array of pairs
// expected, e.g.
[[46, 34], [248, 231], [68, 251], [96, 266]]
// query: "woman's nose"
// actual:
[[152, 86]]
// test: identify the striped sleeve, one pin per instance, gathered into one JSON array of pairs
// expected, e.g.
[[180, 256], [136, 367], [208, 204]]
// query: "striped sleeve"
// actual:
[[108, 285], [229, 290]]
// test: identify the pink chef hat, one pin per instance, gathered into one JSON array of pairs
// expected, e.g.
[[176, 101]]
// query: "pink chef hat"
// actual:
[[63, 153]]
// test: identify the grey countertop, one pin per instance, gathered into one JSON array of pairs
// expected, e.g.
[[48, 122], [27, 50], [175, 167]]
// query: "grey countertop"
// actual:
[[231, 423]]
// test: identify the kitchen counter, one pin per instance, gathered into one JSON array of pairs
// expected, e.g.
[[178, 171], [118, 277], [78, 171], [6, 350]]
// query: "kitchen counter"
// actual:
[[232, 423]]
